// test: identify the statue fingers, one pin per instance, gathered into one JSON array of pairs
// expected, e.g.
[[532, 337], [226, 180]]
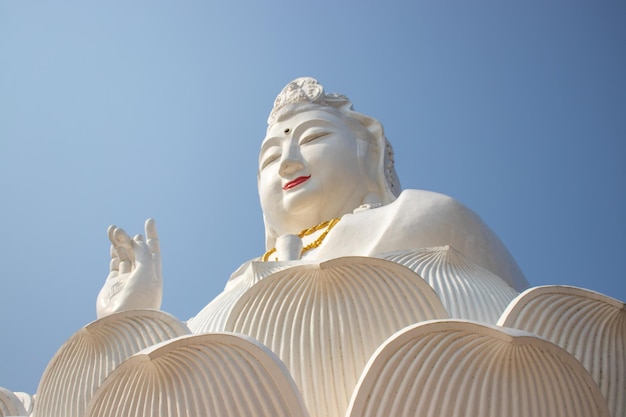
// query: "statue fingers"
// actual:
[[156, 261], [125, 267], [141, 250], [111, 233], [120, 250], [115, 260], [124, 245], [121, 237], [152, 236], [115, 265], [118, 237], [122, 254], [154, 244]]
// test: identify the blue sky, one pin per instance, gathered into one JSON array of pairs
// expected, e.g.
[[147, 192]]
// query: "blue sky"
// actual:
[[112, 112]]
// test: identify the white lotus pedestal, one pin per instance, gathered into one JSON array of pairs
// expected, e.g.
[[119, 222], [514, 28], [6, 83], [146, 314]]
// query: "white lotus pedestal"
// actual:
[[354, 337]]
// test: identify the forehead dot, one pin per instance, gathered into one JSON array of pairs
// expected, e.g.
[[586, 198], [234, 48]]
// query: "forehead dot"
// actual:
[[287, 130]]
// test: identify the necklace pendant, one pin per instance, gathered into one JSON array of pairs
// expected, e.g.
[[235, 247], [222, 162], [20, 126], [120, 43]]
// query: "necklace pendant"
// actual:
[[288, 248]]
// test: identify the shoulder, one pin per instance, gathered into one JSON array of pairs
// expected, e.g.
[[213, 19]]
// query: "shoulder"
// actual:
[[416, 219], [413, 212], [422, 219], [420, 203], [419, 218]]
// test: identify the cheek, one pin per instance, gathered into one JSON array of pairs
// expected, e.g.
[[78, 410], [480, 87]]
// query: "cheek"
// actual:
[[269, 189], [341, 163]]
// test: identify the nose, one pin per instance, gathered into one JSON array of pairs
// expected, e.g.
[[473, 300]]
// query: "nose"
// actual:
[[291, 160]]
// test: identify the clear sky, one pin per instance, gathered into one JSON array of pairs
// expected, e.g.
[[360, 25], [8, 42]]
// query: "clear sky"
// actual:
[[112, 112]]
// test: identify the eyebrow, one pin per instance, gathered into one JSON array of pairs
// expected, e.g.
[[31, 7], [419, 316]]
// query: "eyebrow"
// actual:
[[276, 140], [307, 124], [268, 143]]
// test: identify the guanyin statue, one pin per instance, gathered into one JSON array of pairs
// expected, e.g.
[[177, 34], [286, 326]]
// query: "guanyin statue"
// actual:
[[368, 301]]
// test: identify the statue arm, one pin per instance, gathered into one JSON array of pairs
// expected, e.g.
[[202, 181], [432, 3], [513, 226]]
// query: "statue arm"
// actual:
[[422, 219], [460, 227], [135, 277]]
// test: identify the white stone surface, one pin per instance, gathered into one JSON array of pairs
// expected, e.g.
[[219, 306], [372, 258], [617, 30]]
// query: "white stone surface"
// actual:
[[466, 290], [321, 160], [135, 279], [330, 329], [461, 368], [10, 404], [212, 318], [216, 374], [325, 320], [590, 326], [89, 356]]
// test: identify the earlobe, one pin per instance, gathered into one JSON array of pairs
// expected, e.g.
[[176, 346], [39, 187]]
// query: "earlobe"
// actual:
[[270, 234], [371, 200]]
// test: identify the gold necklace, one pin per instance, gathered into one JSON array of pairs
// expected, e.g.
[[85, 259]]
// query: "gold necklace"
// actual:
[[329, 224]]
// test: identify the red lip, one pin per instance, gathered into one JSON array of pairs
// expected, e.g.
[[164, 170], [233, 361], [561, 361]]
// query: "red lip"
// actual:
[[295, 182]]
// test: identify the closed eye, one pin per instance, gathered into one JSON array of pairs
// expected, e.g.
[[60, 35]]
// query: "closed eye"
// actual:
[[271, 158], [312, 137]]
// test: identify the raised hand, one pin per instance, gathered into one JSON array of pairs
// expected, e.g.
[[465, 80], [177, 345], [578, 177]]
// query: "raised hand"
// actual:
[[135, 279]]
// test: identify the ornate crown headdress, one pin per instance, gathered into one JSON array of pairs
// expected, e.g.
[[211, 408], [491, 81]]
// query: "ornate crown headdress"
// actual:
[[306, 90]]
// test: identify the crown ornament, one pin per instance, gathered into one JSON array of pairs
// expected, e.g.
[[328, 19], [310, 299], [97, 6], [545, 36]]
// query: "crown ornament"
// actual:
[[305, 90]]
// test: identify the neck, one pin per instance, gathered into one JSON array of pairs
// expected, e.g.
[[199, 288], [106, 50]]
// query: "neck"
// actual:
[[323, 228]]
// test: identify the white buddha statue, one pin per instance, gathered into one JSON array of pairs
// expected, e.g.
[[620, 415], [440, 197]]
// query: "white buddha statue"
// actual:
[[320, 161], [369, 300]]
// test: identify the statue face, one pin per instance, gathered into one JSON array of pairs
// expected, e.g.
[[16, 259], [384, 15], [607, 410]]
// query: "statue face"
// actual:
[[309, 171]]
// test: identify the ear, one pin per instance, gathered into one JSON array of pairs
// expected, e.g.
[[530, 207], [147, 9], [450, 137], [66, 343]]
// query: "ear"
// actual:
[[372, 199], [373, 157]]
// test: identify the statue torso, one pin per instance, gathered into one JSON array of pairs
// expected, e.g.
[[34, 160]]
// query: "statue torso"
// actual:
[[420, 219]]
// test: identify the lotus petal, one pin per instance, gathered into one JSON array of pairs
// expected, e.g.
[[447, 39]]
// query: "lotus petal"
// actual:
[[10, 404], [461, 368], [467, 290], [218, 374], [590, 326], [27, 399], [325, 320], [212, 318], [84, 361]]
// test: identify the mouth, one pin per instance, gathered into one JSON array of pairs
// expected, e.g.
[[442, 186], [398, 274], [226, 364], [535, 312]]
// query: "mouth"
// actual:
[[296, 182]]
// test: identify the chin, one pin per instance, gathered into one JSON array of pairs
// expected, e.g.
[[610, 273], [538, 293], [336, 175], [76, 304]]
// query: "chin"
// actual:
[[301, 198], [304, 209], [300, 208]]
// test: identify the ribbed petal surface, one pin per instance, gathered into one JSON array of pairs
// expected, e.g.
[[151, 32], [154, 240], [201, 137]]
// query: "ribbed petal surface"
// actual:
[[212, 318], [85, 360], [590, 326], [457, 368], [209, 375], [10, 404], [467, 290], [325, 320]]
